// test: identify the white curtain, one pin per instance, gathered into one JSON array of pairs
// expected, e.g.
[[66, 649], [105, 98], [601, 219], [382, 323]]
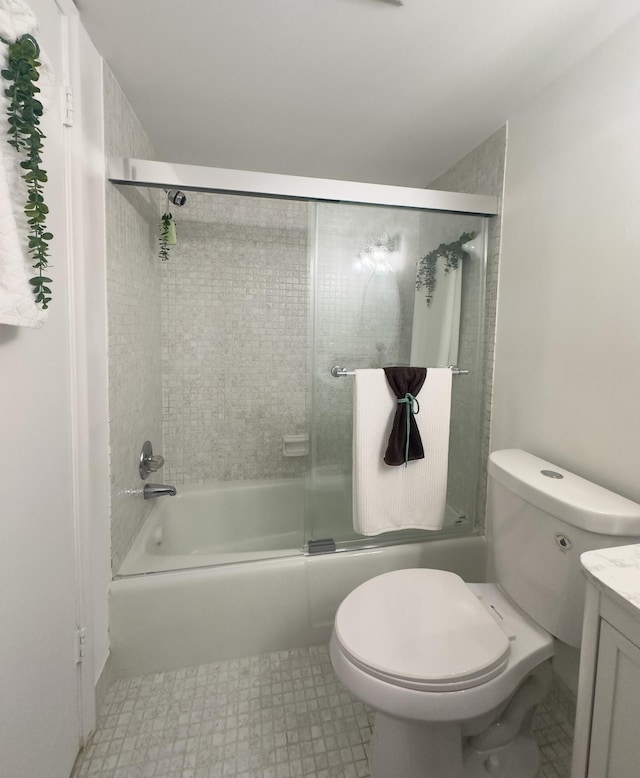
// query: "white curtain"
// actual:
[[436, 327]]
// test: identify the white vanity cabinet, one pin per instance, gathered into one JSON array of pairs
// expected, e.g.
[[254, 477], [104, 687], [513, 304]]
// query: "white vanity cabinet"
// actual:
[[607, 738]]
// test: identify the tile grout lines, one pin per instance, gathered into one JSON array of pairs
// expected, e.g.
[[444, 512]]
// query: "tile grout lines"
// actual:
[[279, 715]]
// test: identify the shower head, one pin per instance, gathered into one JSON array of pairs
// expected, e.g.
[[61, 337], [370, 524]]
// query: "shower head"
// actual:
[[176, 197]]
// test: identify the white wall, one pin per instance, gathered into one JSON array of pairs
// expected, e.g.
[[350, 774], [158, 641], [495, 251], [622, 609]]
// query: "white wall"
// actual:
[[567, 373], [568, 342], [39, 732], [54, 481]]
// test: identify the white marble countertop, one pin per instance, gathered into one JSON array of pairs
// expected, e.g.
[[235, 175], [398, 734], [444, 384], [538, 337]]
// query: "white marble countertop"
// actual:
[[616, 569]]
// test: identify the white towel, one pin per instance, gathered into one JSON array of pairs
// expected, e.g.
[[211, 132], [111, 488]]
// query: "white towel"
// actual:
[[17, 301], [389, 498]]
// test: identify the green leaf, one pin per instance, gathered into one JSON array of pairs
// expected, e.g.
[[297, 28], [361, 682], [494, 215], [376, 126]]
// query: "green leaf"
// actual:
[[24, 111]]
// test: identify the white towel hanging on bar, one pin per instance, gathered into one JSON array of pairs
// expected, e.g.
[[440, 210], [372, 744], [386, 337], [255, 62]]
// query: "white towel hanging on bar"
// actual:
[[387, 498]]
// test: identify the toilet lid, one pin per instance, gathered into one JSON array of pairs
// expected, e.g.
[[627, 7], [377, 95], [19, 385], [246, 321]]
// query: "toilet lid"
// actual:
[[422, 629]]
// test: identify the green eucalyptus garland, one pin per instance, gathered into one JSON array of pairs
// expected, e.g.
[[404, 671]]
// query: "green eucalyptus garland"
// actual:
[[452, 253], [24, 113]]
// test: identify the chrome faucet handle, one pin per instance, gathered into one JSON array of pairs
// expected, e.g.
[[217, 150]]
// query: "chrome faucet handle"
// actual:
[[155, 462], [149, 462]]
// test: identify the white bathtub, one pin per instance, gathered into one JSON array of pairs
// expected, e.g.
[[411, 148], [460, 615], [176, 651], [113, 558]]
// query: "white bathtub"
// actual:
[[221, 523], [242, 521], [220, 573]]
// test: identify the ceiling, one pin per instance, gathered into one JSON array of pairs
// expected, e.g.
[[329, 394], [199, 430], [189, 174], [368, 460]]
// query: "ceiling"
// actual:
[[362, 90]]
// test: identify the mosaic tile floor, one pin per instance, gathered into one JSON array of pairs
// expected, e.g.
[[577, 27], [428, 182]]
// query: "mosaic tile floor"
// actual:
[[281, 715], [553, 728]]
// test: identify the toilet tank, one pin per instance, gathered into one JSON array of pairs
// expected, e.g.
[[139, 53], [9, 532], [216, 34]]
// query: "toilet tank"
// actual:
[[540, 519]]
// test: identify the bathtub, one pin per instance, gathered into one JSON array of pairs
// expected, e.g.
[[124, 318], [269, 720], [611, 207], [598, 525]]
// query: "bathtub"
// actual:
[[221, 523], [219, 571]]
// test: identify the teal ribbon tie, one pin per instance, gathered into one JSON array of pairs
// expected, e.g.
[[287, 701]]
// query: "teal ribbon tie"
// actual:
[[413, 407]]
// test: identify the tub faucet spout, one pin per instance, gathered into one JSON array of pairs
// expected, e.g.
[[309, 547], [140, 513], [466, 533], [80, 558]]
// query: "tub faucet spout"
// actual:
[[158, 490]]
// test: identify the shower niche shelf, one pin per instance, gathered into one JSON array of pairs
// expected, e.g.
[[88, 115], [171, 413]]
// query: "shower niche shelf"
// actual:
[[295, 445]]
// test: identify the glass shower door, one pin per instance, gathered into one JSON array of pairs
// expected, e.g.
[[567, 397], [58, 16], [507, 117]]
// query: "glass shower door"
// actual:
[[363, 268]]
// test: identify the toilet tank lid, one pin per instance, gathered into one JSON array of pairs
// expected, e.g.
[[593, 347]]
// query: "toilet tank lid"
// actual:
[[571, 498]]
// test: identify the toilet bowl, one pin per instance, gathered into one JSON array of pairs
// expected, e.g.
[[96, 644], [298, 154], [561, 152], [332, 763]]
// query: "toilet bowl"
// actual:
[[455, 670], [440, 661]]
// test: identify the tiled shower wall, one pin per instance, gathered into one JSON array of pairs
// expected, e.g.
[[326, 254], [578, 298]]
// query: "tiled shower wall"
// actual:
[[437, 228], [236, 340], [236, 334], [133, 310], [235, 297], [482, 172], [363, 319]]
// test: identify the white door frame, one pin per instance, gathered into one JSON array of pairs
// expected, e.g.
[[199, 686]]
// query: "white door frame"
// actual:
[[88, 497], [77, 382]]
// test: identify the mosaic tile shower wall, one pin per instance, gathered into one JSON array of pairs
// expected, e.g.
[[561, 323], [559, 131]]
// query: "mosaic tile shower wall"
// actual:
[[133, 300], [237, 324], [363, 318], [234, 339], [482, 172], [436, 229]]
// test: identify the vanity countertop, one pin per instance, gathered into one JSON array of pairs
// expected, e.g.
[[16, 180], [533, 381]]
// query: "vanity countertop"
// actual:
[[617, 571]]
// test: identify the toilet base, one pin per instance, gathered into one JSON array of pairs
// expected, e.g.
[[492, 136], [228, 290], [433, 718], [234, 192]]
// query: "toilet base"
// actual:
[[418, 750], [406, 748], [521, 757]]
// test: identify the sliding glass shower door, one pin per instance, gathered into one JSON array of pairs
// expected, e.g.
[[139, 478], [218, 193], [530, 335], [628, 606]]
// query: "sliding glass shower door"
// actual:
[[366, 312]]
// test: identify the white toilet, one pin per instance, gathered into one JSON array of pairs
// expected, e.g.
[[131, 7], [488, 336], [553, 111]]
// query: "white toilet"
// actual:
[[453, 670]]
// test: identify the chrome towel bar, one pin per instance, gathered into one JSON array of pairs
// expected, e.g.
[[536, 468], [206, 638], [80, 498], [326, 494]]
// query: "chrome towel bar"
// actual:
[[338, 372]]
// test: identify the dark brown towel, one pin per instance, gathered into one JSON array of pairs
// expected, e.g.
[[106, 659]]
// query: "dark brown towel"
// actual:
[[403, 380]]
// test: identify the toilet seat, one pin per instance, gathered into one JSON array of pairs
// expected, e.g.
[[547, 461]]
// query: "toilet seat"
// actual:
[[531, 646], [421, 629]]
